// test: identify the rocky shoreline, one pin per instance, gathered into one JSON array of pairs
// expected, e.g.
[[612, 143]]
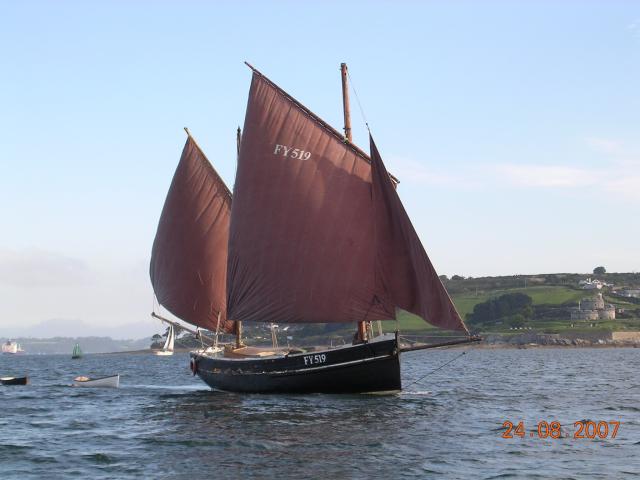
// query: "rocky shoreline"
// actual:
[[525, 340], [502, 341]]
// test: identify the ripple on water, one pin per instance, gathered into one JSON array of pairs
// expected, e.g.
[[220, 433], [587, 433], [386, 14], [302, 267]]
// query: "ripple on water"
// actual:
[[99, 458]]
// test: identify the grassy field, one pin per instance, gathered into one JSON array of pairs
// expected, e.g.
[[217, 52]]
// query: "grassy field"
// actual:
[[620, 302], [551, 295], [539, 295]]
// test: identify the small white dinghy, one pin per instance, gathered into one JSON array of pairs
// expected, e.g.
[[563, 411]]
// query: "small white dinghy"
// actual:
[[112, 381]]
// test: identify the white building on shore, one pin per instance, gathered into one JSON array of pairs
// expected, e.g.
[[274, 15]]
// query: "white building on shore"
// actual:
[[589, 284]]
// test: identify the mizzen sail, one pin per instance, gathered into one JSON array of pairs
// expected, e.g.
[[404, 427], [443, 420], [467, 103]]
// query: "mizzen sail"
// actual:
[[301, 244], [189, 257], [404, 270]]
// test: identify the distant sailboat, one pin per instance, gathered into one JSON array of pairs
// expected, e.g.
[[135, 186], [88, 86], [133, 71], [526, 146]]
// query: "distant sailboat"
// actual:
[[77, 352], [167, 349]]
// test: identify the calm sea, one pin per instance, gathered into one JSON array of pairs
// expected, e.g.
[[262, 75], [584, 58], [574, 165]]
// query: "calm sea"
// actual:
[[164, 423]]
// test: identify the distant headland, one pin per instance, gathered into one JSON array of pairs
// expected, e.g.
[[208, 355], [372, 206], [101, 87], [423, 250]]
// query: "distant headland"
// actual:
[[557, 309]]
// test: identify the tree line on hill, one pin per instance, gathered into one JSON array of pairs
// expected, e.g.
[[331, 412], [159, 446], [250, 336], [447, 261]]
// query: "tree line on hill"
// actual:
[[517, 310], [459, 284], [512, 309]]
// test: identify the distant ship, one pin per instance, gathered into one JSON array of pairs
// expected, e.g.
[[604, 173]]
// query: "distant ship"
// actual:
[[12, 348]]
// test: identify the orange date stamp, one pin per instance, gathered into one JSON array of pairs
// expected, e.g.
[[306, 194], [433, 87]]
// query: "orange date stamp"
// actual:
[[581, 429]]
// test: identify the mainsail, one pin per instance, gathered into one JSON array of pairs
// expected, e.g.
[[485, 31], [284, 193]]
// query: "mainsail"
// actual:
[[301, 244], [318, 232], [189, 257]]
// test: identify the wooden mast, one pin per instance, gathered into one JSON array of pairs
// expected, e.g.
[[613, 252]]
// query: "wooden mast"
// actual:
[[345, 103], [362, 325], [238, 323]]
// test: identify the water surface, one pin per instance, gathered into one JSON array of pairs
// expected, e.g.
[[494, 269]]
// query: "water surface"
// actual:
[[164, 423]]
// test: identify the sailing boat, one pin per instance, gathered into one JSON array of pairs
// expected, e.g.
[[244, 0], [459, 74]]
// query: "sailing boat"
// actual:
[[77, 353], [313, 233], [167, 349]]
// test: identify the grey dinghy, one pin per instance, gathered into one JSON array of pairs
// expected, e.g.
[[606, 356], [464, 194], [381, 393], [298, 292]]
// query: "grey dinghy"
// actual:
[[112, 381], [14, 380]]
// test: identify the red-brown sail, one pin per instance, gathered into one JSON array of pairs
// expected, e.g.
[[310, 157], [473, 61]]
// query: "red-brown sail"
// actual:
[[189, 257], [301, 245], [405, 272]]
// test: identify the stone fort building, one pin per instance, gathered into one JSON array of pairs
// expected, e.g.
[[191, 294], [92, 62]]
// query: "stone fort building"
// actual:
[[594, 308]]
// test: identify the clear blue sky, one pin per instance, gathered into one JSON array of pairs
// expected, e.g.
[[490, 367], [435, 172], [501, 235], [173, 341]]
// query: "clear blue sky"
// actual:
[[513, 127]]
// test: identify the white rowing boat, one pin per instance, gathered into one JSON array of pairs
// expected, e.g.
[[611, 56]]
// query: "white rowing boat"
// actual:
[[112, 381]]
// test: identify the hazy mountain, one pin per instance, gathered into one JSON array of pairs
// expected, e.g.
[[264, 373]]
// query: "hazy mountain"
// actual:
[[65, 345], [63, 327]]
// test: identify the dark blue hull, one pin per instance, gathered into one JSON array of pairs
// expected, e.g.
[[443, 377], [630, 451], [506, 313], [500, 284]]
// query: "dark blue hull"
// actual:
[[368, 367]]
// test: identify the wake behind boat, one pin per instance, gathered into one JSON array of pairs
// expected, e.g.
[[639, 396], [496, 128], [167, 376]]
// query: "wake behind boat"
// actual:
[[314, 233], [112, 381]]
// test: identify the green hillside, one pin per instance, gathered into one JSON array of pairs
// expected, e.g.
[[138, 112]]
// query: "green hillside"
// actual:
[[549, 311], [549, 296], [540, 295], [465, 302]]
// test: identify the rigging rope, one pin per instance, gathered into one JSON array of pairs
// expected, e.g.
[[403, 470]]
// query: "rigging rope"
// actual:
[[436, 369], [435, 336], [417, 338], [353, 86]]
